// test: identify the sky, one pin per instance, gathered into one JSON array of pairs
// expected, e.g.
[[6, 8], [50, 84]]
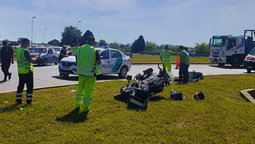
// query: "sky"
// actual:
[[177, 22]]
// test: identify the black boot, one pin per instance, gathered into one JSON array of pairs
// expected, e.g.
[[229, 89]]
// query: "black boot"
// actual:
[[29, 102], [5, 78], [19, 102], [10, 76]]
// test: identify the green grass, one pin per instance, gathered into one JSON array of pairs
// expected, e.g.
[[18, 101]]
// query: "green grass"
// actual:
[[223, 117], [156, 58]]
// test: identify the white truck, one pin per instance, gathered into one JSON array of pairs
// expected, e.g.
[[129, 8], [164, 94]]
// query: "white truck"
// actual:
[[228, 49]]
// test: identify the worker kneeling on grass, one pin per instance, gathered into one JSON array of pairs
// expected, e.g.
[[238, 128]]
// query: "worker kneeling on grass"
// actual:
[[165, 57], [87, 59]]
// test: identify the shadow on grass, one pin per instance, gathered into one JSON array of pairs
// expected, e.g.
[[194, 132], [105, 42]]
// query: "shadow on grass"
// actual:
[[14, 107], [136, 108], [157, 98], [74, 117], [121, 97]]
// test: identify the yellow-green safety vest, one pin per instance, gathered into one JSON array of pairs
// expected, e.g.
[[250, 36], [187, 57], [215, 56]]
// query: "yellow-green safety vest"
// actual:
[[73, 49], [166, 56], [23, 65], [86, 61]]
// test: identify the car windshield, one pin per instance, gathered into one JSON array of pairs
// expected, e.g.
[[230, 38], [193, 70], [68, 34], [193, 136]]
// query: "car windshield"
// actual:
[[252, 52], [57, 49], [38, 50], [217, 42]]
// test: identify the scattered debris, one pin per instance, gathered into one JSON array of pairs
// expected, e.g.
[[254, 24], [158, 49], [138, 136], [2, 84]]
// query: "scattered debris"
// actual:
[[5, 102], [72, 90]]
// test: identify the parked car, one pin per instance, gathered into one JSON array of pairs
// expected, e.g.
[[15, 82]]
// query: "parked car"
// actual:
[[57, 49], [191, 53], [112, 62], [48, 55], [249, 61]]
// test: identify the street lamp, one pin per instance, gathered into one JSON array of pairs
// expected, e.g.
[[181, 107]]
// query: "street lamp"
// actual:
[[77, 32], [32, 31], [44, 35]]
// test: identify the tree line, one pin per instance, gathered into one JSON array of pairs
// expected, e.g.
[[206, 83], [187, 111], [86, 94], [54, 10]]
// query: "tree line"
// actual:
[[73, 36]]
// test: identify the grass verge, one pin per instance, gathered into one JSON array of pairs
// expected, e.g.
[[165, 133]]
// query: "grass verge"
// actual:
[[156, 58], [223, 117]]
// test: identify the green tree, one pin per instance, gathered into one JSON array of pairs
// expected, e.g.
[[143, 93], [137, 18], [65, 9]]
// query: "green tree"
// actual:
[[114, 45], [202, 48], [102, 42], [134, 47], [140, 44], [54, 42], [85, 36], [150, 46], [69, 36], [174, 48]]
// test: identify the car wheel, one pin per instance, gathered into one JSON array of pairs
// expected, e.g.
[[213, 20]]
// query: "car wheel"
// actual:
[[221, 64], [248, 70], [56, 61], [123, 72], [45, 62]]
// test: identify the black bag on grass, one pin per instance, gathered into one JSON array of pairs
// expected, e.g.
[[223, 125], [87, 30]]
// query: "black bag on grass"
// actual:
[[176, 96], [199, 96]]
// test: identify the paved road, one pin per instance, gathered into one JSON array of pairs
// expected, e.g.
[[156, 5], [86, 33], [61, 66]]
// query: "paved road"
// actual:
[[48, 75]]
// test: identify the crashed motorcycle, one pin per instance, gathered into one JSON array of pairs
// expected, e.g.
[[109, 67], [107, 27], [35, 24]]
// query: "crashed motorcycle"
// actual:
[[138, 92]]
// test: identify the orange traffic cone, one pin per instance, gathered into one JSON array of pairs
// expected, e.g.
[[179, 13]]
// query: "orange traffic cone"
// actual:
[[177, 62]]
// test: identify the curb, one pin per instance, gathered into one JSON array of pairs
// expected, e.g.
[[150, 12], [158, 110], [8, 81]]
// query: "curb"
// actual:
[[245, 94], [41, 88], [47, 87]]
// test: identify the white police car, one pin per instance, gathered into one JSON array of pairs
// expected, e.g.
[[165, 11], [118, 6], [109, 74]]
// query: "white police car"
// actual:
[[113, 61]]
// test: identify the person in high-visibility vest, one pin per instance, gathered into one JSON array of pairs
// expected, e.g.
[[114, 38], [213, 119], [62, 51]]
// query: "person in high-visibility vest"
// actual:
[[25, 71], [165, 57], [73, 49], [184, 65], [87, 59]]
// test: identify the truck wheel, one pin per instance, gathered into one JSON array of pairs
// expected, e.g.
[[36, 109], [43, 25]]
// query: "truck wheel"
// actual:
[[236, 63], [221, 64], [248, 70], [123, 72]]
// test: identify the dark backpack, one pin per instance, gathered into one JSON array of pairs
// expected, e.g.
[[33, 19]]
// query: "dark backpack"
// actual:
[[199, 96]]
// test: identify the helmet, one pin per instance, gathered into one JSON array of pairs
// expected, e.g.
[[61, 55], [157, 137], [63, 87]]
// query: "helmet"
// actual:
[[199, 96]]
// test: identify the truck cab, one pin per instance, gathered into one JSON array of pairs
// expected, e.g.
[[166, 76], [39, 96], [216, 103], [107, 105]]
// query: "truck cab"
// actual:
[[230, 49]]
